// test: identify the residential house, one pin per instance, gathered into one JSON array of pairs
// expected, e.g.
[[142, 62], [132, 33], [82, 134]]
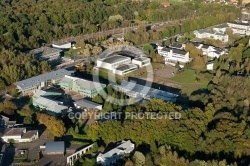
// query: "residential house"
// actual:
[[82, 86], [111, 157], [46, 101], [6, 123], [19, 135], [173, 56], [31, 85]]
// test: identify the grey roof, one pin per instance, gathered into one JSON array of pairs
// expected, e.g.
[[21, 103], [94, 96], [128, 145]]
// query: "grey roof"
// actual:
[[220, 34], [43, 51], [55, 147], [115, 58], [88, 84], [125, 67], [221, 26], [239, 23], [86, 103], [204, 31], [44, 77]]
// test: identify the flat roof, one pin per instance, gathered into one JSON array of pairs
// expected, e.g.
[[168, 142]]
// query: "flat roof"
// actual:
[[43, 51], [87, 103], [141, 59], [61, 43], [176, 51], [43, 77], [115, 58], [86, 84], [126, 67], [55, 147]]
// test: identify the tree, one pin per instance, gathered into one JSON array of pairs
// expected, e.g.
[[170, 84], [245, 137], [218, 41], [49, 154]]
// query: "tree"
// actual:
[[8, 107], [138, 159], [11, 141], [98, 99], [55, 126], [76, 129], [27, 120]]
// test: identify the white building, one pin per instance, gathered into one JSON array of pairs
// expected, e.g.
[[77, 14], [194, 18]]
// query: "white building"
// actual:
[[141, 61], [19, 135], [173, 56], [210, 65], [238, 25], [208, 50], [203, 33], [125, 69], [112, 61], [111, 157], [62, 46]]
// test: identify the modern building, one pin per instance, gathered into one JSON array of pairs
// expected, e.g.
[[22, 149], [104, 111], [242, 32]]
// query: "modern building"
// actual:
[[113, 61], [88, 105], [46, 101], [31, 85], [221, 28], [46, 54], [82, 86], [173, 56], [125, 69], [131, 89], [141, 61], [203, 33], [19, 135], [62, 46], [55, 148], [111, 157]]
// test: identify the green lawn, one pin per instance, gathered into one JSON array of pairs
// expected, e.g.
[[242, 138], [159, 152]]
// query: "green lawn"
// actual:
[[188, 81]]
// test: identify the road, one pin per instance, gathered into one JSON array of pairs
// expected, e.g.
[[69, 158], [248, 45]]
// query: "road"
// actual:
[[157, 25]]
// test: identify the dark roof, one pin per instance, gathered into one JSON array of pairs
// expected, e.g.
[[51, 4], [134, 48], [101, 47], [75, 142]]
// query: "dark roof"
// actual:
[[239, 23], [55, 147], [210, 62], [196, 44], [87, 103], [2, 131], [114, 59], [176, 45], [176, 51], [221, 26], [125, 67], [29, 134], [205, 46]]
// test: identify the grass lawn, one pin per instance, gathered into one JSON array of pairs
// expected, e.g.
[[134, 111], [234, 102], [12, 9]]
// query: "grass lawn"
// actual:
[[188, 81]]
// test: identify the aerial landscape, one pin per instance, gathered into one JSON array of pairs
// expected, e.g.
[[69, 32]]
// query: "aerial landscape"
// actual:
[[125, 83]]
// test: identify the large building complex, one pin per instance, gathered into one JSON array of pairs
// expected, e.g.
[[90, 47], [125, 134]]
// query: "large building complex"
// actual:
[[82, 86], [237, 27], [46, 53], [33, 84], [111, 157], [113, 61]]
